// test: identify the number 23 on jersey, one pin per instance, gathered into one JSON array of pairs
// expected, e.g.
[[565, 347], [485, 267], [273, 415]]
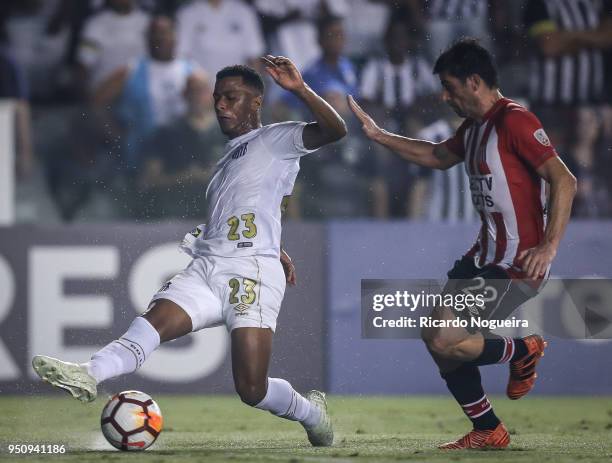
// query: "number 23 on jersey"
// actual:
[[249, 231]]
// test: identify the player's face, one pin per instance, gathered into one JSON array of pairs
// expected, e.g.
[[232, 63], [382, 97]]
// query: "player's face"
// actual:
[[237, 106], [458, 95]]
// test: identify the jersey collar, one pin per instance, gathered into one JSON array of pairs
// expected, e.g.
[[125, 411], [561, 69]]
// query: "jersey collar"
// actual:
[[242, 138], [496, 107]]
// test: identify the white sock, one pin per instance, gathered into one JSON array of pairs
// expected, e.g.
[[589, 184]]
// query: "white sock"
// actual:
[[283, 401], [126, 354]]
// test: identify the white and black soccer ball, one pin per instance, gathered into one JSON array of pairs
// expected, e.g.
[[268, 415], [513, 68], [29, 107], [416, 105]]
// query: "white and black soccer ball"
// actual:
[[131, 420]]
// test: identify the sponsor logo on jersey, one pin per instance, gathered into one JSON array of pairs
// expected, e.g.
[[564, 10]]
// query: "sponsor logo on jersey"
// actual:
[[241, 309], [541, 136], [240, 151], [244, 244], [481, 187], [165, 286], [197, 231]]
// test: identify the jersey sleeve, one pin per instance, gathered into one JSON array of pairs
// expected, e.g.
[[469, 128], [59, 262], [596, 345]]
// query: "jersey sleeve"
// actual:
[[284, 140], [455, 143], [527, 139]]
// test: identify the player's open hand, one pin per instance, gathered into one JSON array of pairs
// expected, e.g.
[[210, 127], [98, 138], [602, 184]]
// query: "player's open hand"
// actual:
[[288, 267], [284, 72], [370, 128], [536, 260]]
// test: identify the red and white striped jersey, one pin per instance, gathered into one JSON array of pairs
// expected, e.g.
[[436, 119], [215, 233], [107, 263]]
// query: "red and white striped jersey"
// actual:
[[501, 155]]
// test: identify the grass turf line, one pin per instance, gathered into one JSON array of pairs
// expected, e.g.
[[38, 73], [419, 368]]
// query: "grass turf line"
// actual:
[[220, 428]]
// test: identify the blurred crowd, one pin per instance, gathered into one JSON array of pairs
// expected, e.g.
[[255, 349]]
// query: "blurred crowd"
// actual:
[[114, 116]]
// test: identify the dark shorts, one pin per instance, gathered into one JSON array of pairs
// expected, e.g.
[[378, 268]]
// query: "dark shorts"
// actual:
[[501, 294]]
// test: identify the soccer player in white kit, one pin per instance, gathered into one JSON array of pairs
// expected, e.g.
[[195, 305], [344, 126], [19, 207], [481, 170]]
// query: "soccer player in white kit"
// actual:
[[238, 273]]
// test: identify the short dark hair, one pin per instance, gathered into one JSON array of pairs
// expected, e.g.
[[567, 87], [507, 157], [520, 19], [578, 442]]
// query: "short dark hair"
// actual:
[[466, 57], [327, 21], [249, 75]]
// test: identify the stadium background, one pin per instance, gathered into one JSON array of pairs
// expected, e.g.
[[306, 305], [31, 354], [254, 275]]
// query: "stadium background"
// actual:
[[93, 199]]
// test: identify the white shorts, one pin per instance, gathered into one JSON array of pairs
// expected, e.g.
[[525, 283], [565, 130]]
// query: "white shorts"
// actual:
[[235, 291]]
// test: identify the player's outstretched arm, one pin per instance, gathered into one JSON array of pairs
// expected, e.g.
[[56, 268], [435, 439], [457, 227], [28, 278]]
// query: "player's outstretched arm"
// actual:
[[536, 260], [421, 152], [329, 126]]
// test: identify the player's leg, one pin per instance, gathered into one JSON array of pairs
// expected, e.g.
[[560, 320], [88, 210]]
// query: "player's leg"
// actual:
[[459, 352], [251, 351], [181, 305], [457, 343], [164, 321], [462, 378]]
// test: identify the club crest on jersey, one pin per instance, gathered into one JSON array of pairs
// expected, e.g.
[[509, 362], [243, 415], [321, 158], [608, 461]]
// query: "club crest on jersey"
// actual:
[[541, 136], [240, 151], [197, 231]]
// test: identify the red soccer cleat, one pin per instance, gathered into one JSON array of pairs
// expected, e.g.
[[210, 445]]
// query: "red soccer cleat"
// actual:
[[522, 371], [497, 438]]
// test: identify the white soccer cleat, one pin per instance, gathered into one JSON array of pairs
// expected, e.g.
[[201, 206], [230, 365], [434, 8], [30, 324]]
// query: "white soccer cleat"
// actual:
[[321, 435], [68, 376]]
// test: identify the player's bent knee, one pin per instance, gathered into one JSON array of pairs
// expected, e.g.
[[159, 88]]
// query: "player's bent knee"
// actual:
[[169, 319], [440, 345], [251, 393]]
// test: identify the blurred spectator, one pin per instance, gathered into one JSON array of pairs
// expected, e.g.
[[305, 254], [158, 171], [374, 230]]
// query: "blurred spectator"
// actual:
[[449, 198], [335, 181], [333, 68], [567, 87], [218, 33], [110, 40], [397, 79], [146, 94], [37, 33], [365, 25], [13, 86], [333, 73], [74, 164], [289, 27], [448, 20], [392, 86], [180, 159]]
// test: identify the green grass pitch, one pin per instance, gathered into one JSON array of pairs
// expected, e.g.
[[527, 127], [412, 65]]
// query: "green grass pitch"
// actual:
[[220, 428]]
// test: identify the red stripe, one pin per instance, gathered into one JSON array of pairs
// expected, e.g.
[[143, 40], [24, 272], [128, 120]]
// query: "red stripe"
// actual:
[[468, 150], [473, 154], [483, 167], [477, 408], [500, 236], [484, 240], [473, 250]]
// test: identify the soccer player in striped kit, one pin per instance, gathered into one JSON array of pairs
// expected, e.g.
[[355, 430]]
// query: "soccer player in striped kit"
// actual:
[[508, 159]]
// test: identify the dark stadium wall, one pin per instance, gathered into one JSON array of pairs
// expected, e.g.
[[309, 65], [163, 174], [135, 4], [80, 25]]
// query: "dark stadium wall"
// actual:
[[65, 291]]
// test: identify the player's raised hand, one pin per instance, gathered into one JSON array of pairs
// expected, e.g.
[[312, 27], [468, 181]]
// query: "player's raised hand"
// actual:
[[284, 72], [288, 267], [370, 128]]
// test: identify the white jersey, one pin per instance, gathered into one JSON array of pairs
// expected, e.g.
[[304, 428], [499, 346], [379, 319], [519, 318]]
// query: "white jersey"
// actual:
[[244, 195]]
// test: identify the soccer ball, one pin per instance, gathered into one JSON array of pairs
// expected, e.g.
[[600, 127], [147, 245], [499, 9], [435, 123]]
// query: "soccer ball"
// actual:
[[131, 420]]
